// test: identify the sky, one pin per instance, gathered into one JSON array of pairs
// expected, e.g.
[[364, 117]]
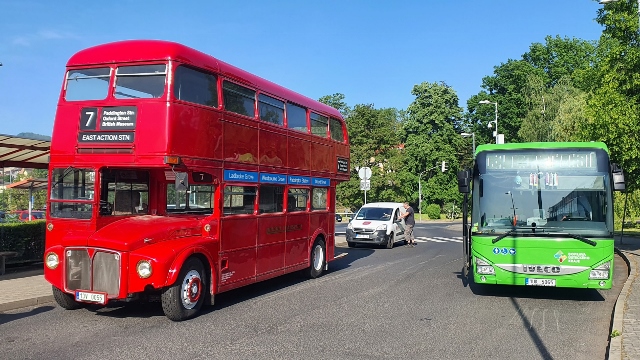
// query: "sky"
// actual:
[[372, 51]]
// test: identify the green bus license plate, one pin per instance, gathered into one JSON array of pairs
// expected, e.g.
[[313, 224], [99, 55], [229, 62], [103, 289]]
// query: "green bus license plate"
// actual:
[[540, 282]]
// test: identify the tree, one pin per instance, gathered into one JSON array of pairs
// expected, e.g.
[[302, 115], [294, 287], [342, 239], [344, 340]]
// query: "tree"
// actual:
[[542, 122], [614, 102], [431, 133], [373, 135], [337, 101]]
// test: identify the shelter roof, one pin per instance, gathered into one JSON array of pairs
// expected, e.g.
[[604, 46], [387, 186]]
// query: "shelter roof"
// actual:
[[24, 152], [34, 184]]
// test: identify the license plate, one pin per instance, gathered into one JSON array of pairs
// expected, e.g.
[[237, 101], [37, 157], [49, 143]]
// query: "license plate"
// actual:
[[92, 297], [540, 282], [362, 236]]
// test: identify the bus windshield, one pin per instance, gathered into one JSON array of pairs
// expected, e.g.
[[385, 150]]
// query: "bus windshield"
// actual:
[[553, 191], [72, 192]]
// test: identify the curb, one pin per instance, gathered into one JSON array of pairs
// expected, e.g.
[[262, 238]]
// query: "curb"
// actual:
[[615, 343], [18, 304]]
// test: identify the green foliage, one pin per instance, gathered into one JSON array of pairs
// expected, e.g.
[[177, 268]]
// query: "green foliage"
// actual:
[[25, 238], [433, 211], [337, 101], [431, 134]]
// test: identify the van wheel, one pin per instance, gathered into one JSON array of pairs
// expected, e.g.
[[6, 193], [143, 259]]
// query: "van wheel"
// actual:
[[66, 301], [350, 244], [391, 241], [317, 260], [184, 299]]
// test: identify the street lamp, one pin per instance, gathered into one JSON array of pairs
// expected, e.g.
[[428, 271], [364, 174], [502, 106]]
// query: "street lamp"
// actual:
[[473, 136], [496, 120]]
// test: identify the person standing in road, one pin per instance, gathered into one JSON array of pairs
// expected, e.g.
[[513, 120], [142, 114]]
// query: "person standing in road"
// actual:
[[409, 222]]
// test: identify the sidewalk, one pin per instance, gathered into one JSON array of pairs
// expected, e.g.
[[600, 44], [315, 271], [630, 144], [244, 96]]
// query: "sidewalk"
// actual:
[[21, 288], [24, 287]]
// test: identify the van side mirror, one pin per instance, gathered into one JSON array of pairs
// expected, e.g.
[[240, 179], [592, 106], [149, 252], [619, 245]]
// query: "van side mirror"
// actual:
[[464, 181], [618, 177]]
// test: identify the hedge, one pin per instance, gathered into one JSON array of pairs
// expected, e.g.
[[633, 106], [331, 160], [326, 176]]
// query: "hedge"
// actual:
[[25, 238]]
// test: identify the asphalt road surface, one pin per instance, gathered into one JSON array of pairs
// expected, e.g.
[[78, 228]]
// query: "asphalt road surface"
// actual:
[[400, 303]]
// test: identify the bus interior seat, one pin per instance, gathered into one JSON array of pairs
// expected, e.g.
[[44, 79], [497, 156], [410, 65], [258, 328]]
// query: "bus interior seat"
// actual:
[[126, 202]]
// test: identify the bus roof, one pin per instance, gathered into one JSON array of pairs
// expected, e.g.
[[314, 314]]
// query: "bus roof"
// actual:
[[542, 145], [128, 51]]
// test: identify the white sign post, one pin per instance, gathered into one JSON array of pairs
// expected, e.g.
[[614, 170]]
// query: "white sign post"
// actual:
[[365, 174]]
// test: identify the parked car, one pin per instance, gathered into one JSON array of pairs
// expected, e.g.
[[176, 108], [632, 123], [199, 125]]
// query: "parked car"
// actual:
[[35, 215], [377, 224], [338, 218]]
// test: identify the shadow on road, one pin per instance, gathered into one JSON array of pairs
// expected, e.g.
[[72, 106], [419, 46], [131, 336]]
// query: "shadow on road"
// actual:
[[5, 318], [236, 296]]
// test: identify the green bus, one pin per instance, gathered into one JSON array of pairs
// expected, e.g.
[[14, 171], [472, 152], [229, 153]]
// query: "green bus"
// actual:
[[541, 214]]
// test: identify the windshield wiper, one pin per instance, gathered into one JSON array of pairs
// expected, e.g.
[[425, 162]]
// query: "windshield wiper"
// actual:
[[500, 237], [64, 175], [577, 237]]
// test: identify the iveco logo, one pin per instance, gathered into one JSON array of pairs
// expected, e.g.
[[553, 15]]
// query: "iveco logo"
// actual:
[[540, 269]]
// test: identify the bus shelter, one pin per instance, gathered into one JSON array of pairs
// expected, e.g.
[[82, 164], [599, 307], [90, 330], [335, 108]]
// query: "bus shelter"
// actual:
[[31, 185]]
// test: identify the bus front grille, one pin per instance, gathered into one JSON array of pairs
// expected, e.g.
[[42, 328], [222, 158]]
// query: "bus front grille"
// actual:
[[99, 272]]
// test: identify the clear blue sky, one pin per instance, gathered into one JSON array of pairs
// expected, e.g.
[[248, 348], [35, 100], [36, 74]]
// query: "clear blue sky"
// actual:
[[371, 51]]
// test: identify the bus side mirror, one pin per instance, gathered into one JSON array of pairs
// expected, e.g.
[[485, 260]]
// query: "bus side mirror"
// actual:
[[618, 177], [182, 181], [464, 181]]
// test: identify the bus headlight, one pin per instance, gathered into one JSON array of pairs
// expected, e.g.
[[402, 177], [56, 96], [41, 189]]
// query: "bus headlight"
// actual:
[[601, 272], [52, 260], [144, 269], [483, 267]]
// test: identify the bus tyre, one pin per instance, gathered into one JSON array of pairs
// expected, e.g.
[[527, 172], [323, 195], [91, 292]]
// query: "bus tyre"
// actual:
[[392, 239], [66, 301], [184, 299], [317, 259]]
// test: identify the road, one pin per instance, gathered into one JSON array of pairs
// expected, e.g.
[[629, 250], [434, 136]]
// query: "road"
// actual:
[[400, 303]]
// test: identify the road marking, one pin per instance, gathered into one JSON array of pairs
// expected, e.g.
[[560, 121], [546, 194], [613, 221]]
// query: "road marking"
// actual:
[[438, 239]]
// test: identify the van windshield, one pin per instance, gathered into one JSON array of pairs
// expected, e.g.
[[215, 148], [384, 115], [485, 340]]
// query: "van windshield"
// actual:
[[374, 213]]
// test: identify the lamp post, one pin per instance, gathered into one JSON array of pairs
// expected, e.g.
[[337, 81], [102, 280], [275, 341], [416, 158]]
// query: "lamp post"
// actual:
[[496, 120], [473, 136], [420, 193]]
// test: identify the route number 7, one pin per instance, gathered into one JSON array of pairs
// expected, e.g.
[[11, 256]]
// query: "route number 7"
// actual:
[[88, 118]]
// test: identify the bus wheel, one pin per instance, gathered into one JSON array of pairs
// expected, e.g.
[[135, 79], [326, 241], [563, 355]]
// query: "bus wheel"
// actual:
[[391, 241], [184, 299], [66, 301], [318, 259]]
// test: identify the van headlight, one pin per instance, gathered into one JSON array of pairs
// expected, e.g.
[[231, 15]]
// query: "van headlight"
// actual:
[[483, 267], [350, 226], [600, 272], [382, 227], [144, 269]]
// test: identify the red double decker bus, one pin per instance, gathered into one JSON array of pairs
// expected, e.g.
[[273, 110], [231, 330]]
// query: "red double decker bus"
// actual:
[[176, 176]]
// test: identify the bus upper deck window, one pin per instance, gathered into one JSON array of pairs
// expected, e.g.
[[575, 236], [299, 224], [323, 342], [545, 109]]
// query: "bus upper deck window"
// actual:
[[140, 81], [87, 84]]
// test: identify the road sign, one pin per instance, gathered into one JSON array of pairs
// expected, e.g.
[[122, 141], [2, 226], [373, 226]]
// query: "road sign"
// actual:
[[364, 173], [365, 184]]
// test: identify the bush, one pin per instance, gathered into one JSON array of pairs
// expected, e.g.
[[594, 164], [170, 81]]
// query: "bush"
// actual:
[[25, 238], [433, 211]]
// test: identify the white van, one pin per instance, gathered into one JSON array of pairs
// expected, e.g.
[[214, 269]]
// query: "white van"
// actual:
[[378, 224]]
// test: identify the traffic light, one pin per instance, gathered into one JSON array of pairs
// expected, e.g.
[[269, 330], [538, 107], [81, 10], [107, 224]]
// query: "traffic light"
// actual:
[[444, 166]]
